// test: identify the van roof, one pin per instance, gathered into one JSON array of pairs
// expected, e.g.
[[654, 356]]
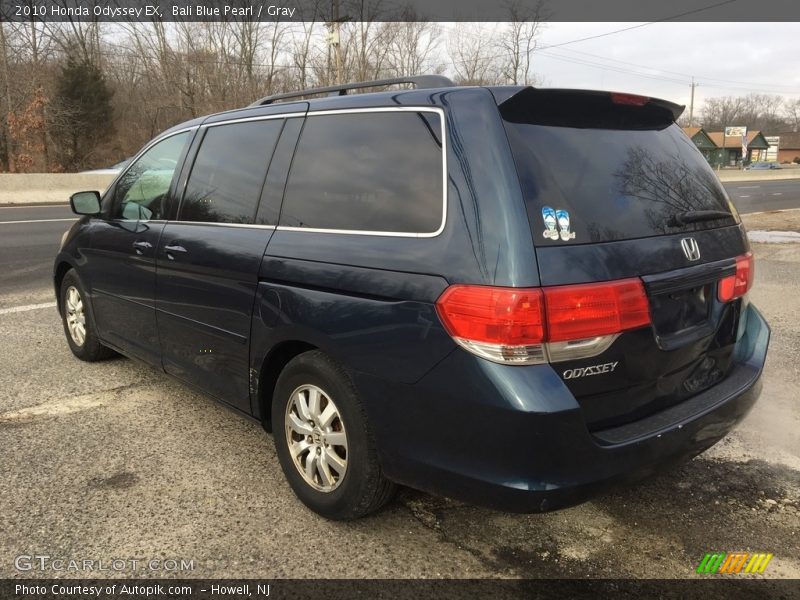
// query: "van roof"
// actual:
[[427, 90]]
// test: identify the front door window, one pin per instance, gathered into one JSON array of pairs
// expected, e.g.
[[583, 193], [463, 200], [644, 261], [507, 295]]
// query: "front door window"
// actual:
[[141, 193]]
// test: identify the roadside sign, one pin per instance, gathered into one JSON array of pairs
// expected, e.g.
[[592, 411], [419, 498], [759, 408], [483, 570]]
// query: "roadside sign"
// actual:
[[735, 131]]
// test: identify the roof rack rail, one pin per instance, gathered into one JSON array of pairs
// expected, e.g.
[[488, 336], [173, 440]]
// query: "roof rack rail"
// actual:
[[421, 81]]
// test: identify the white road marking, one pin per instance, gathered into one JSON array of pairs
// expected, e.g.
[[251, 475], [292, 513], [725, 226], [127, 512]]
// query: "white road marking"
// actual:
[[36, 221], [748, 187], [24, 206], [777, 193], [744, 196], [25, 308]]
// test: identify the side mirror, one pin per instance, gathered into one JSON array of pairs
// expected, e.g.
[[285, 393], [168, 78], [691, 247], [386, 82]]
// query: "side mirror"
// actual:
[[85, 203]]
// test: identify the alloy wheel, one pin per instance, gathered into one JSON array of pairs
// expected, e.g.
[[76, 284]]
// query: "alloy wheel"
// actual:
[[316, 437], [75, 315]]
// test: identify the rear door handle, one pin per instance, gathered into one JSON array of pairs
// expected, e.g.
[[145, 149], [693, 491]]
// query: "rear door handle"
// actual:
[[140, 247], [174, 249]]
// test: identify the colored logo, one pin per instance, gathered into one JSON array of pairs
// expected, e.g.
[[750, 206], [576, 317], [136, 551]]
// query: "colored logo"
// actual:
[[734, 562], [552, 218], [549, 218], [562, 217]]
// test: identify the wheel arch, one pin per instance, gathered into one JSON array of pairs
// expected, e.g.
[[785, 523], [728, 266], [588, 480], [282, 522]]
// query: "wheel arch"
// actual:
[[271, 367], [62, 268]]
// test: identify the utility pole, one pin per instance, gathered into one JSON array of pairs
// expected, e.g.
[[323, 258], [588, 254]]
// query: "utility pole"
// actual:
[[334, 30], [338, 24], [691, 105]]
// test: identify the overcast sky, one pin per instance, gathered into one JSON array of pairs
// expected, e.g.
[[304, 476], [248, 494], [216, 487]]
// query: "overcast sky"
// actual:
[[749, 57]]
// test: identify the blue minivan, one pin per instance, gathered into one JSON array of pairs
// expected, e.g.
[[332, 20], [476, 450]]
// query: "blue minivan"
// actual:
[[507, 295]]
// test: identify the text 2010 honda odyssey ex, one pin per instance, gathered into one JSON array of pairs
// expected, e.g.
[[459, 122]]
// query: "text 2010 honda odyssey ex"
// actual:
[[506, 295]]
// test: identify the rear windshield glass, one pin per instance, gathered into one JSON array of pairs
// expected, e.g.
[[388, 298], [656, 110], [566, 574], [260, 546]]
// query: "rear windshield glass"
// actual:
[[588, 185]]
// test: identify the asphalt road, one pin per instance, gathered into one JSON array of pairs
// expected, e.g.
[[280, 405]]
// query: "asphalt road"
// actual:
[[116, 460], [29, 238], [756, 196]]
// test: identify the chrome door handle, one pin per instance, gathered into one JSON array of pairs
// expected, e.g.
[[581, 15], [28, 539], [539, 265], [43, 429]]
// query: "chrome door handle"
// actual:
[[172, 249], [140, 247]]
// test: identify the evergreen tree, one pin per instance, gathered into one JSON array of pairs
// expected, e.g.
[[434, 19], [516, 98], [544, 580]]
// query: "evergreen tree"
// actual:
[[85, 99]]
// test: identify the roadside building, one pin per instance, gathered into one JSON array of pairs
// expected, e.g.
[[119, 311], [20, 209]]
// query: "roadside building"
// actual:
[[788, 147], [704, 143], [729, 148], [772, 151]]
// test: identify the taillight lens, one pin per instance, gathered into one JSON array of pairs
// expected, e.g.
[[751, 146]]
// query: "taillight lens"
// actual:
[[511, 316], [737, 285], [596, 309], [514, 325]]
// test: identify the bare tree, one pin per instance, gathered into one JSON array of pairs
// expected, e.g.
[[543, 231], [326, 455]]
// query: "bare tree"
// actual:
[[364, 41], [412, 46], [8, 148], [792, 114], [763, 112], [471, 50], [722, 112], [517, 41], [78, 38]]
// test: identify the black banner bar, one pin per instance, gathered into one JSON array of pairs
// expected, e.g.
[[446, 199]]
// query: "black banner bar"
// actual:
[[400, 10], [342, 589]]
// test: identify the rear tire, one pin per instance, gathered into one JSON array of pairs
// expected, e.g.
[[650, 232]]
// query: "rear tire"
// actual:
[[323, 440], [78, 321]]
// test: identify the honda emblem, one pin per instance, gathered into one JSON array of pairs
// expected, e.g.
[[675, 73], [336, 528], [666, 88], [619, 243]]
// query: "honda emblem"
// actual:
[[690, 248]]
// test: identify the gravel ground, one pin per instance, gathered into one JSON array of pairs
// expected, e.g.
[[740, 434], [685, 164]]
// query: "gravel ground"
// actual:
[[774, 220], [114, 460]]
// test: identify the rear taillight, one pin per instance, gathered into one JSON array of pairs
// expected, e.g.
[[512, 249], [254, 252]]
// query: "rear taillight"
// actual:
[[591, 310], [501, 324], [737, 285], [527, 326]]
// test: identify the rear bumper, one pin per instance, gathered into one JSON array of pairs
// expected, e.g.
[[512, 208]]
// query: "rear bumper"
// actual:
[[514, 438]]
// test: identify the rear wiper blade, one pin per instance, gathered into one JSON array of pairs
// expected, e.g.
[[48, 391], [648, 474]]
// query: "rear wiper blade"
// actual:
[[696, 216]]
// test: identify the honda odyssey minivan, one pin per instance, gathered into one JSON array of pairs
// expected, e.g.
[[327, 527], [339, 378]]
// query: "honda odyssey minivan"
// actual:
[[507, 295]]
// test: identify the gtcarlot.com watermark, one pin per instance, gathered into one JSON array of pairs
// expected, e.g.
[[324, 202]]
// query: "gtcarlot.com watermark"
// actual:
[[27, 563]]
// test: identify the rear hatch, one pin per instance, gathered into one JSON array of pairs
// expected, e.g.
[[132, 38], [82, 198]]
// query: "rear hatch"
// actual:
[[614, 190]]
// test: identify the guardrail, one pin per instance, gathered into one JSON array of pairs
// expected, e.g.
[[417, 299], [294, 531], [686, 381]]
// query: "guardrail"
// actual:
[[759, 175], [35, 188]]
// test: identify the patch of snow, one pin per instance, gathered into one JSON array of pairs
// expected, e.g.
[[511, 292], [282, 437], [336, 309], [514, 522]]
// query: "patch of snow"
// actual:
[[773, 237]]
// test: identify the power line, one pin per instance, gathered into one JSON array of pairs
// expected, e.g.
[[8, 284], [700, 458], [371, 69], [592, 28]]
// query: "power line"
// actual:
[[703, 77], [704, 81], [612, 68], [671, 18]]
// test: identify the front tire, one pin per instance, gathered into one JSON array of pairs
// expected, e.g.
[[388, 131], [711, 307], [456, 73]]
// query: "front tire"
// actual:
[[78, 323], [323, 440]]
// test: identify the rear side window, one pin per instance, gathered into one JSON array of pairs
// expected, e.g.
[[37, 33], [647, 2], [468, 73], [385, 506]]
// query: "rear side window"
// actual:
[[614, 179], [369, 172], [229, 171]]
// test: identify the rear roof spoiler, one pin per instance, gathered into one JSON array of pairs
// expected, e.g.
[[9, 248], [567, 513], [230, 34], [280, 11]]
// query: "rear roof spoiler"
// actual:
[[574, 107]]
